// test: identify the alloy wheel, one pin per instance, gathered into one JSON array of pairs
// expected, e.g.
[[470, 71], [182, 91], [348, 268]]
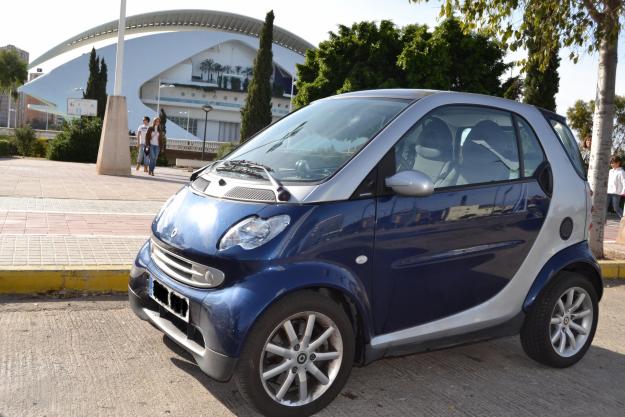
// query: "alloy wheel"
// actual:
[[301, 358]]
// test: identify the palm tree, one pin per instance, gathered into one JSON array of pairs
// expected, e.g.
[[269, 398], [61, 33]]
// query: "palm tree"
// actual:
[[206, 66]]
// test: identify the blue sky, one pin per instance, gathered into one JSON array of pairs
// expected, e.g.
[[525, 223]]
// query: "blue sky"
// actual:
[[39, 25]]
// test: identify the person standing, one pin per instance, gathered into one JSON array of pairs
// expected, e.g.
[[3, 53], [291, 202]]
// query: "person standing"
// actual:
[[141, 155], [154, 137], [616, 185], [586, 150]]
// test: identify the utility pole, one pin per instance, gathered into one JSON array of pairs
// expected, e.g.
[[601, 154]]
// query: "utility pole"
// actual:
[[114, 152]]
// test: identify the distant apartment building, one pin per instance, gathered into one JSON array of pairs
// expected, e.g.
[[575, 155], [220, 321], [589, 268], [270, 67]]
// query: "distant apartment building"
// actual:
[[17, 107]]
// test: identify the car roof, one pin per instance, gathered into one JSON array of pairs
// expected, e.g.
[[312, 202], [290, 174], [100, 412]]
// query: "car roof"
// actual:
[[402, 93], [416, 94]]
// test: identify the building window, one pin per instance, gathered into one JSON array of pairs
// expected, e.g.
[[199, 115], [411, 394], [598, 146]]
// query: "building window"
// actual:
[[229, 132], [182, 122]]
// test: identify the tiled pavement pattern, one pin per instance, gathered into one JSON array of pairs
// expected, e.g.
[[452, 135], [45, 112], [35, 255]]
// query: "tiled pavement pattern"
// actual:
[[42, 223], [63, 214], [50, 179], [63, 250], [60, 205]]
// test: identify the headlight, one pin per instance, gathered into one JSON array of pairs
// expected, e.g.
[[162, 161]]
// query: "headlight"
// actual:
[[254, 232]]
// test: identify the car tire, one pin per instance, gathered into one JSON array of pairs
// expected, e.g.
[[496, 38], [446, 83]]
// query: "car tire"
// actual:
[[559, 328], [273, 345]]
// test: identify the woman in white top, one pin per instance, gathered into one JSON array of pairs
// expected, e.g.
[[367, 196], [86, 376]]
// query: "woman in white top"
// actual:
[[616, 185], [154, 136]]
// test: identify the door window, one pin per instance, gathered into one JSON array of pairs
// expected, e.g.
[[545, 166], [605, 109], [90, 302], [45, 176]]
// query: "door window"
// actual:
[[533, 154], [461, 145]]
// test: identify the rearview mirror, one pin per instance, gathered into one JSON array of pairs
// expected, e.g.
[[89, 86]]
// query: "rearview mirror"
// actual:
[[411, 183]]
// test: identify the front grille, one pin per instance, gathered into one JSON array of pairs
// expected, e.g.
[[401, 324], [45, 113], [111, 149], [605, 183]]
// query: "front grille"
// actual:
[[184, 270], [251, 194]]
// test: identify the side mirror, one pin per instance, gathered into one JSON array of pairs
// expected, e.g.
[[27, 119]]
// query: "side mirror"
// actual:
[[411, 183]]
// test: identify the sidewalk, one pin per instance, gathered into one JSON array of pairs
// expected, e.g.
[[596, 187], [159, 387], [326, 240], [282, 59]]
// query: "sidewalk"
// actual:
[[60, 220], [64, 227]]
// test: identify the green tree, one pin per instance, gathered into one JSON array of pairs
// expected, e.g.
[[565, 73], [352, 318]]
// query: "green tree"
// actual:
[[358, 57], [580, 117], [256, 114], [585, 25], [13, 73], [367, 55], [451, 59], [541, 84], [96, 83]]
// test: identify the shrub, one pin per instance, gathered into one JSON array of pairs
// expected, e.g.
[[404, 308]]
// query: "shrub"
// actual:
[[78, 142], [25, 140], [40, 148], [225, 149], [7, 147]]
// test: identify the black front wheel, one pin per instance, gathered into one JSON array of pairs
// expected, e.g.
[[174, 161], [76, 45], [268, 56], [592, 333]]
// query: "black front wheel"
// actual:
[[561, 326], [297, 357]]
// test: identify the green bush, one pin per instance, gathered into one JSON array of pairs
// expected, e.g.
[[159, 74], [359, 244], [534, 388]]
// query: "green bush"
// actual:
[[7, 147], [225, 149], [78, 142], [40, 148], [25, 140]]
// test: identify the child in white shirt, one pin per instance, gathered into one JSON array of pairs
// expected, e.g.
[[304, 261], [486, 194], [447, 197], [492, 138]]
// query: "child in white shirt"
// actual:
[[616, 185]]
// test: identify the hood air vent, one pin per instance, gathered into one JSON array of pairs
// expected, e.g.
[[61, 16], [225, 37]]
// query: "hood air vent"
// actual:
[[251, 194]]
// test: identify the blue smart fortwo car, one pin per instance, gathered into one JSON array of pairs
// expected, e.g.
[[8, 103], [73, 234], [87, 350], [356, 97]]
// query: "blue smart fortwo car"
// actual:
[[371, 224]]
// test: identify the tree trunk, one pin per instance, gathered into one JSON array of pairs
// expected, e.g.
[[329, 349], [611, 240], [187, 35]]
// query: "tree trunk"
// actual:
[[603, 124]]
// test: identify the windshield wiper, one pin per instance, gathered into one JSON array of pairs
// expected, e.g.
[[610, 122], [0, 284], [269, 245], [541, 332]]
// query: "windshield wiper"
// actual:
[[282, 194], [228, 166]]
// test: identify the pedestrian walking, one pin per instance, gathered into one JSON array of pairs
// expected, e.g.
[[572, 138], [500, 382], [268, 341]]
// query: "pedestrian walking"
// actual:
[[142, 157], [616, 185], [586, 150], [154, 137]]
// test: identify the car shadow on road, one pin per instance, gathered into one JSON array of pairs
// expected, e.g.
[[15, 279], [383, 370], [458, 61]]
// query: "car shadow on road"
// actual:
[[492, 378]]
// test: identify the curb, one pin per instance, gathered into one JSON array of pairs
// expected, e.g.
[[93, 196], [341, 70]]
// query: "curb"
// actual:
[[612, 269], [87, 279], [114, 278]]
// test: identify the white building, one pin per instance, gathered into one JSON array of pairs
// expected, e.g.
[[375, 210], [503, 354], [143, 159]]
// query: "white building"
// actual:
[[197, 57]]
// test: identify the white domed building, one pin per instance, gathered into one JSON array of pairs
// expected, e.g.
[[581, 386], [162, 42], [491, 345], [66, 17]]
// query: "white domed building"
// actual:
[[197, 57]]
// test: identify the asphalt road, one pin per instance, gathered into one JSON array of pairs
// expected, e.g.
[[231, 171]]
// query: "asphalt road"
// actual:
[[92, 357]]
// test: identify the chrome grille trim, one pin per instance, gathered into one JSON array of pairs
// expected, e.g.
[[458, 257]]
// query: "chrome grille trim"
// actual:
[[184, 270]]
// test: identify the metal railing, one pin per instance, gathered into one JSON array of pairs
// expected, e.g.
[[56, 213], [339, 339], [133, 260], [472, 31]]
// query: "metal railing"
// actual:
[[186, 145]]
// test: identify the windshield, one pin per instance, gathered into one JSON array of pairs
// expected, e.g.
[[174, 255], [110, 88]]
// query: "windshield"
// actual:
[[311, 144]]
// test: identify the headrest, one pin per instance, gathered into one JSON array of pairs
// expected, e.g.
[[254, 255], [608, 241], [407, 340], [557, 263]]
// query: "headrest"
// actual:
[[435, 140]]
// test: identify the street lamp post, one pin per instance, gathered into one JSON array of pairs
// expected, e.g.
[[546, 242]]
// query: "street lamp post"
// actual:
[[206, 108], [291, 98]]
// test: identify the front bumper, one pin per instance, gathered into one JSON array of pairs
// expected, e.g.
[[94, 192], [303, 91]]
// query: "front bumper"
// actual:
[[214, 364]]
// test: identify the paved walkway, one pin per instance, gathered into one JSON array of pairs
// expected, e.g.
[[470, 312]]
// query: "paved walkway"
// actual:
[[60, 213]]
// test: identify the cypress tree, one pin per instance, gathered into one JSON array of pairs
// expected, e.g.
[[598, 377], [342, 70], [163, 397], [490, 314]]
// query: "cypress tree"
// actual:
[[256, 114], [101, 96], [541, 84], [96, 84]]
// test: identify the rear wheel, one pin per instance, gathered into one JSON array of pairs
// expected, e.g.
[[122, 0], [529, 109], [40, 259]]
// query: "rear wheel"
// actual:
[[298, 356], [560, 327]]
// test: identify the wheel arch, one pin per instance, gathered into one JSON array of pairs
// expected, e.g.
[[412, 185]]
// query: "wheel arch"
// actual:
[[576, 258], [264, 291]]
